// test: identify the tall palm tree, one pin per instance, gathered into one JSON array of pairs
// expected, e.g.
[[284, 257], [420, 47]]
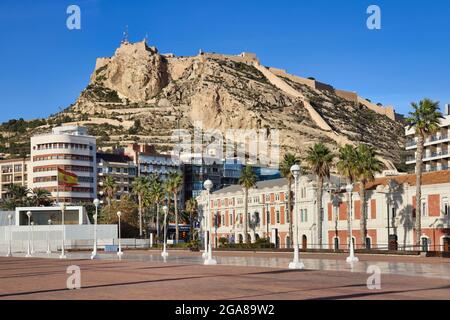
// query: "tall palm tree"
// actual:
[[41, 197], [289, 160], [347, 168], [157, 196], [141, 187], [110, 188], [247, 181], [367, 165], [173, 185], [425, 119], [320, 158], [191, 208]]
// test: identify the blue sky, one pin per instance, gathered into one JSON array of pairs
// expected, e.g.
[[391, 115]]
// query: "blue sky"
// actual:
[[44, 66]]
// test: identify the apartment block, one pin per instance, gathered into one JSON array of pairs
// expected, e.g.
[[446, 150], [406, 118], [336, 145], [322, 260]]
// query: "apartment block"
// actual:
[[436, 155], [69, 148], [13, 171]]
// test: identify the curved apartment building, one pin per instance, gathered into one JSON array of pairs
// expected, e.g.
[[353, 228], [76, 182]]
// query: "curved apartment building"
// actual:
[[69, 148]]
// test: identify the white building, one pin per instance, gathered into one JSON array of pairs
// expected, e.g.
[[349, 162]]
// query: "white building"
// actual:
[[437, 147], [390, 203], [71, 149]]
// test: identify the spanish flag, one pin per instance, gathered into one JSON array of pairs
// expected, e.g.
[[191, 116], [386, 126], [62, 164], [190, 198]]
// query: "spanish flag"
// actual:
[[66, 178]]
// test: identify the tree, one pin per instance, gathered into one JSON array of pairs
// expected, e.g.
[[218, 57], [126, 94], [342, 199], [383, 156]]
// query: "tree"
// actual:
[[191, 208], [110, 188], [367, 165], [285, 169], [40, 197], [247, 181], [129, 218], [319, 158], [157, 197], [425, 119], [17, 196], [346, 166], [141, 187], [173, 185]]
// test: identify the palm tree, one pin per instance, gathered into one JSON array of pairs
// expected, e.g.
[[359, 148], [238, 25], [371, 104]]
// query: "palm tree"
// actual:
[[425, 120], [347, 168], [17, 196], [173, 185], [191, 207], [41, 197], [110, 188], [247, 181], [285, 169], [157, 196], [367, 165], [141, 187], [319, 159]]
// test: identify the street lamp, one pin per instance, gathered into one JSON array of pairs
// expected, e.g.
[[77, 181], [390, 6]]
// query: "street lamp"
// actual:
[[119, 253], [209, 260], [29, 235], [207, 184], [63, 230], [49, 250], [9, 254], [296, 263], [32, 237], [94, 254], [165, 253], [351, 258]]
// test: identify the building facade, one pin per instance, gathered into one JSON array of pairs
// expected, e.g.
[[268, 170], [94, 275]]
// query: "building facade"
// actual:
[[69, 148], [436, 155], [119, 167], [390, 213], [13, 171]]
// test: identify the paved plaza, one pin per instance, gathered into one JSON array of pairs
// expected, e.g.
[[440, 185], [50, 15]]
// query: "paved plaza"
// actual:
[[239, 276]]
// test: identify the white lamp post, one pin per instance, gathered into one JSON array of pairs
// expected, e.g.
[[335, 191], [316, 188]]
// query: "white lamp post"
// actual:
[[94, 254], [209, 259], [119, 253], [29, 235], [9, 254], [32, 237], [63, 231], [49, 250], [296, 263], [351, 258], [164, 253], [207, 184]]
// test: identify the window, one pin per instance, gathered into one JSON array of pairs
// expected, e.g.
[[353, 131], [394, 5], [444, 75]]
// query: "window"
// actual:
[[424, 209], [267, 198], [277, 196], [287, 214], [446, 206], [278, 216]]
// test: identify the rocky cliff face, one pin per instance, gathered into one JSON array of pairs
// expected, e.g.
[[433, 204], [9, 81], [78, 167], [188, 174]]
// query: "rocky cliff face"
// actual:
[[140, 95]]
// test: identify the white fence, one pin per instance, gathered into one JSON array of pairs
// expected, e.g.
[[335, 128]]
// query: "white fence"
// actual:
[[76, 237]]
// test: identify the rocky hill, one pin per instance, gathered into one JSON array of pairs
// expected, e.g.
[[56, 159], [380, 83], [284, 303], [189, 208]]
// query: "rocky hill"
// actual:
[[141, 95]]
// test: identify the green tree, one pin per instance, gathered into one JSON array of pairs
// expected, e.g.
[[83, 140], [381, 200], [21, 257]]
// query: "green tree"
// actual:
[[191, 208], [367, 165], [129, 218], [320, 159], [173, 186], [16, 196], [425, 119], [141, 187], [40, 197], [285, 169], [157, 196], [109, 188], [346, 167], [247, 181]]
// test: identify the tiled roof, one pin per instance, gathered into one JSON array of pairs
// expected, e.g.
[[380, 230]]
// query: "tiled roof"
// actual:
[[429, 178], [259, 185]]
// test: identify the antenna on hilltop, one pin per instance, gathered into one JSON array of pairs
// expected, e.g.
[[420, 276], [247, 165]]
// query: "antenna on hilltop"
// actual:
[[125, 35]]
